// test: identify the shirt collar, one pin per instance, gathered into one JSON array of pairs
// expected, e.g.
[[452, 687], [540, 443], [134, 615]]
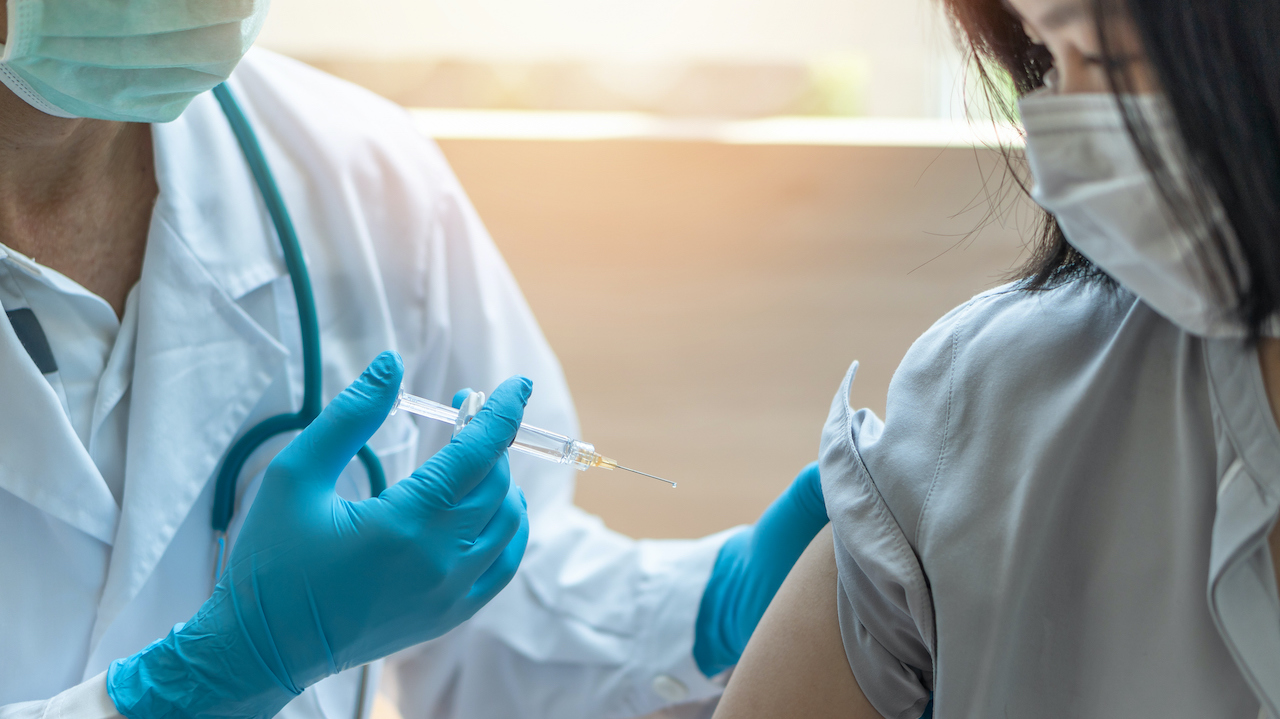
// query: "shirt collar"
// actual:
[[1235, 378]]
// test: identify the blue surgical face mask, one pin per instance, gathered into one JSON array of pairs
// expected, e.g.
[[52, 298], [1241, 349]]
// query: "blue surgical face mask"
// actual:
[[127, 60]]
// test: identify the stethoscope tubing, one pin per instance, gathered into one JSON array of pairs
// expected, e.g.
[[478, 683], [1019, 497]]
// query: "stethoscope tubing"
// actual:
[[224, 495], [312, 372]]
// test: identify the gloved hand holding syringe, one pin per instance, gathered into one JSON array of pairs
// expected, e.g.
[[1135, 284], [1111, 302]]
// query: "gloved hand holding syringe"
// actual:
[[540, 443]]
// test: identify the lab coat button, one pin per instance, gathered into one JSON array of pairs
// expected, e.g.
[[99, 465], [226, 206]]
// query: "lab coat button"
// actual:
[[670, 688]]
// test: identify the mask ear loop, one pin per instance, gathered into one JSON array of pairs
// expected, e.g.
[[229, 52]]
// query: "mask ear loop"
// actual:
[[470, 406]]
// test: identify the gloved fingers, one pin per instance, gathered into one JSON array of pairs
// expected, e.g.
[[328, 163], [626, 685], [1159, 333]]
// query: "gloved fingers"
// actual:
[[461, 465], [477, 509], [322, 450], [498, 533], [807, 488], [460, 396], [795, 517], [500, 572]]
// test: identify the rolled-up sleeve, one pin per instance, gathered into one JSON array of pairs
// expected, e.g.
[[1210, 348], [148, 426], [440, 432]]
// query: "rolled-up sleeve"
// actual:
[[886, 616], [875, 479]]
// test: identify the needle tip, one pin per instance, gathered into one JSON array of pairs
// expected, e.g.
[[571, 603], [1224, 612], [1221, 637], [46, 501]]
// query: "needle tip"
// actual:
[[650, 476]]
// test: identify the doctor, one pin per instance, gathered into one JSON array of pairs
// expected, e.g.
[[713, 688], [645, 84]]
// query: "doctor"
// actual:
[[151, 320]]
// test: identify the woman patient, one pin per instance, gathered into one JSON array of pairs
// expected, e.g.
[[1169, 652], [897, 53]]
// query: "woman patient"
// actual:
[[1070, 508]]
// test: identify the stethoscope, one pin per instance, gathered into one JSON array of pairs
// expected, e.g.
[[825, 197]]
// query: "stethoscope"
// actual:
[[224, 495]]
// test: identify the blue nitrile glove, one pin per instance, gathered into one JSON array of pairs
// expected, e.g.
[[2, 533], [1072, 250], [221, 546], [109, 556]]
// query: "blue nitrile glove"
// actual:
[[317, 584], [750, 568]]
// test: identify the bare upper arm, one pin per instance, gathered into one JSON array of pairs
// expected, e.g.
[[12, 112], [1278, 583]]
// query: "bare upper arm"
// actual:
[[795, 664]]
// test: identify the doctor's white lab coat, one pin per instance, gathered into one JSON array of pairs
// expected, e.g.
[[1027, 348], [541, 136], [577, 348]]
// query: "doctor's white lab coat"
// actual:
[[594, 625]]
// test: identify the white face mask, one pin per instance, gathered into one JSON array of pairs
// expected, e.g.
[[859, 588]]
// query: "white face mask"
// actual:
[[127, 60], [1089, 174]]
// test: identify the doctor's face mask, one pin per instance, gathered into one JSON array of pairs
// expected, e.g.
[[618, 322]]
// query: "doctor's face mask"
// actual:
[[126, 60], [1090, 174]]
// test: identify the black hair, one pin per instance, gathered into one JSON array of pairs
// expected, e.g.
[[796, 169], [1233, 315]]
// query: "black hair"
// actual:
[[1218, 65], [1001, 53]]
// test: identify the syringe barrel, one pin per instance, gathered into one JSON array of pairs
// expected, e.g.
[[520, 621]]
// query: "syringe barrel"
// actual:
[[425, 408], [555, 447], [530, 440]]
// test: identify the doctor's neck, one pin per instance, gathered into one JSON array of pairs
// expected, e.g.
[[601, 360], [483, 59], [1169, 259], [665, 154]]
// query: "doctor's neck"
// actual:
[[75, 194]]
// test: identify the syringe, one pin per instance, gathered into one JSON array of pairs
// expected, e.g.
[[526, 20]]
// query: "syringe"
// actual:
[[540, 443]]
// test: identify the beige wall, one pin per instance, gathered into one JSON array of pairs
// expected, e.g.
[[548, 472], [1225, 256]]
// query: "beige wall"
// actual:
[[706, 299], [900, 50]]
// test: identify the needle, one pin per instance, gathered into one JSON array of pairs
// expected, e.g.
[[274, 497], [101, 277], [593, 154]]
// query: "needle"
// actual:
[[650, 476]]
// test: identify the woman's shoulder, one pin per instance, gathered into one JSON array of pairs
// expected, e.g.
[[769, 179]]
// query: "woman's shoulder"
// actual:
[[1014, 328], [1004, 341], [1003, 362], [953, 407]]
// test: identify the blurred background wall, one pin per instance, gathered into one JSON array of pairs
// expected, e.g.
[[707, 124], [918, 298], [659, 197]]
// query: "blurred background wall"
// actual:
[[704, 295], [890, 58], [706, 299]]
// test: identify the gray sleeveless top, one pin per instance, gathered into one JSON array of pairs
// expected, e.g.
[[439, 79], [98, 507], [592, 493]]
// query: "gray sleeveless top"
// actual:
[[1063, 514]]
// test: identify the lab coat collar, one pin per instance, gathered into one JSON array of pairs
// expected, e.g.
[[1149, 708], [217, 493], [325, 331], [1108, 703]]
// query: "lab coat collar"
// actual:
[[42, 461], [202, 363], [213, 199]]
